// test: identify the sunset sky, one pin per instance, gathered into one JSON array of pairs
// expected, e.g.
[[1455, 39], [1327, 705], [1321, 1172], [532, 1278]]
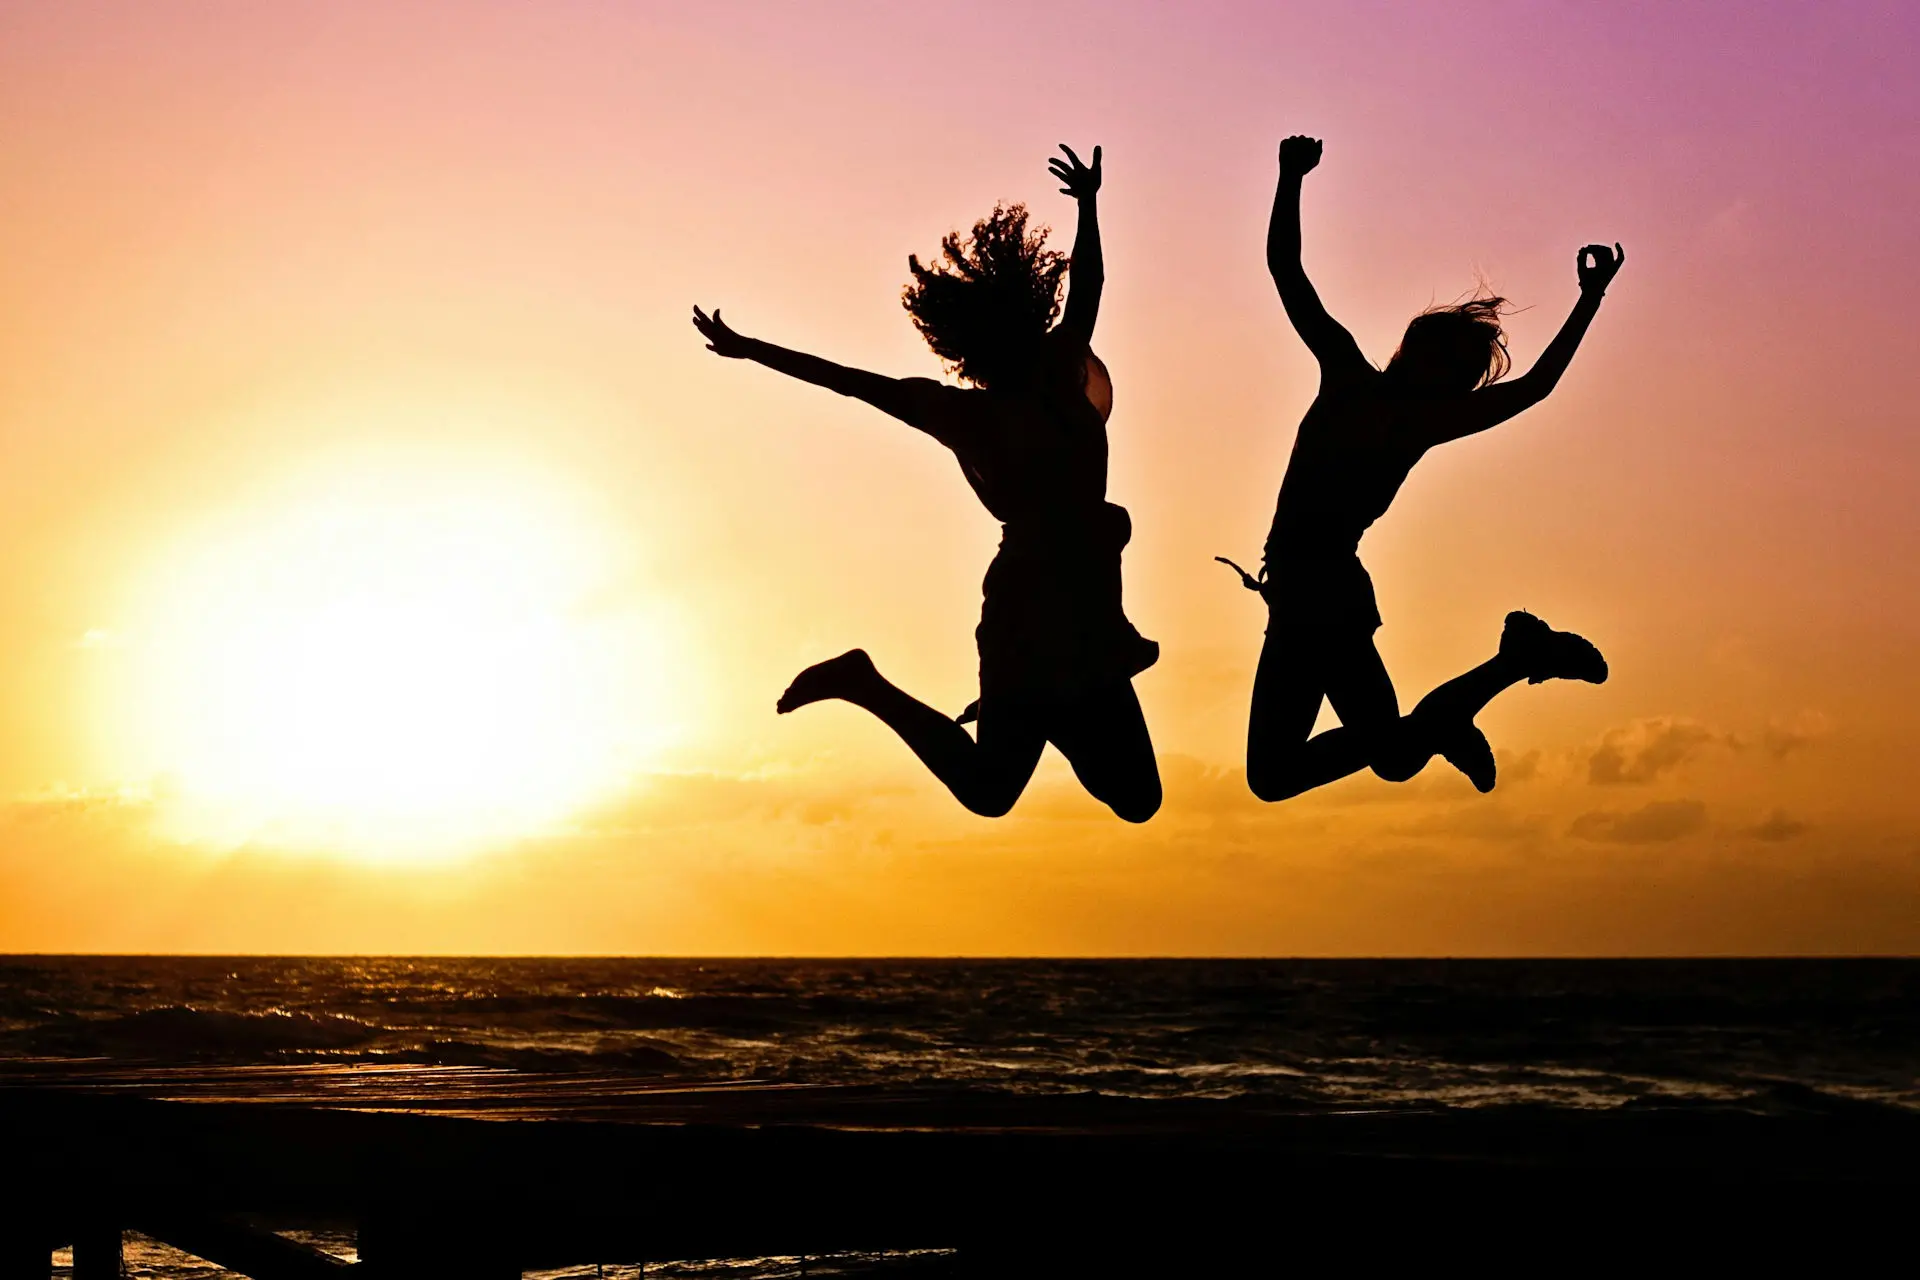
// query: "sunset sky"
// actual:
[[385, 566]]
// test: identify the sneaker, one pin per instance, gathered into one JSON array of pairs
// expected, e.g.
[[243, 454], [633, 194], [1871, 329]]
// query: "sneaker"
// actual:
[[1546, 654]]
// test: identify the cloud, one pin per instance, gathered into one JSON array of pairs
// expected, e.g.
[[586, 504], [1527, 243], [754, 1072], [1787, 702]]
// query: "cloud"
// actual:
[[706, 864], [1515, 767], [670, 801], [1646, 749], [117, 806], [1653, 823], [1475, 822], [1197, 788], [1781, 738], [1777, 826]]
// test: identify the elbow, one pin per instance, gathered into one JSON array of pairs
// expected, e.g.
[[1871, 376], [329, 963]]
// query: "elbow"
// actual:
[[1536, 389]]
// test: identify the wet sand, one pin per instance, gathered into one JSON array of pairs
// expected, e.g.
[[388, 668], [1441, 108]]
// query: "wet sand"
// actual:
[[493, 1172]]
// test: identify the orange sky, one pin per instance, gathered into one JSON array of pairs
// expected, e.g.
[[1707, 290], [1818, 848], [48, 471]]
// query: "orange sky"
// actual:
[[258, 257]]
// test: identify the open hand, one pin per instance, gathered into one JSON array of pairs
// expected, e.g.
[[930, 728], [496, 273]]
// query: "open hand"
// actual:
[[1299, 155], [721, 340], [1076, 179], [1605, 264]]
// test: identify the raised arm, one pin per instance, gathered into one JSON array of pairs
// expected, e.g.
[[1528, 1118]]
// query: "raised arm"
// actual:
[[904, 398], [1329, 341], [1088, 275], [1596, 266]]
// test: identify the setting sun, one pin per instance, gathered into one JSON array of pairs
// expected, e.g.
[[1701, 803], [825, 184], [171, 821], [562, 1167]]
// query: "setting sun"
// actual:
[[397, 661], [389, 566]]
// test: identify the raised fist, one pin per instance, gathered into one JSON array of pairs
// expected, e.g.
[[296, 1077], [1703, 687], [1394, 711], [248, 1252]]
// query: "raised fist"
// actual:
[[1298, 155]]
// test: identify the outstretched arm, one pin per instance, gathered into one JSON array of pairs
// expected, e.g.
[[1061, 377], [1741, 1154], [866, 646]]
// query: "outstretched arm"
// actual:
[[1329, 341], [1596, 266], [903, 398], [1089, 272]]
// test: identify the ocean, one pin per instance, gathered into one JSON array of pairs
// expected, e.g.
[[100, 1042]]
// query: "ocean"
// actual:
[[1755, 1035]]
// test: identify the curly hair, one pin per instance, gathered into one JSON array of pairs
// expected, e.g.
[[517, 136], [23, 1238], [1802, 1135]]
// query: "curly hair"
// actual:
[[1466, 334], [987, 302]]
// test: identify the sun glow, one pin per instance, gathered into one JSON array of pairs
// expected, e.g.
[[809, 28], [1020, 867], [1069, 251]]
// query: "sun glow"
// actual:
[[400, 662]]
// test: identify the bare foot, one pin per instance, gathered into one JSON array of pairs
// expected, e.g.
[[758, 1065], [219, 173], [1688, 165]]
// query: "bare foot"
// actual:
[[835, 678], [1467, 749]]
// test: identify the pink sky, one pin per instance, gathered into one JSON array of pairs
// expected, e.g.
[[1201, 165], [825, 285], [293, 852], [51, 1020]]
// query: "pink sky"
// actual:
[[227, 224]]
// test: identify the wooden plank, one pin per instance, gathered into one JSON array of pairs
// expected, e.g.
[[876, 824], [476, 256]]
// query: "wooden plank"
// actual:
[[24, 1254], [1006, 1182], [96, 1251], [240, 1246], [424, 1242]]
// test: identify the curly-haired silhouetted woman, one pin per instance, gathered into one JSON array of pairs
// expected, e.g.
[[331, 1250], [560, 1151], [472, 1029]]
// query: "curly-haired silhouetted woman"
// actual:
[[1366, 429], [1057, 654]]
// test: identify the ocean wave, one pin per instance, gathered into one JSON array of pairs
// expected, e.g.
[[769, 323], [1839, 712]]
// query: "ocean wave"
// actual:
[[1744, 1034], [737, 1015], [177, 1031], [629, 1059]]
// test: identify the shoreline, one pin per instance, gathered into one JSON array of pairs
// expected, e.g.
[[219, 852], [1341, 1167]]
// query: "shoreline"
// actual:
[[1016, 1185]]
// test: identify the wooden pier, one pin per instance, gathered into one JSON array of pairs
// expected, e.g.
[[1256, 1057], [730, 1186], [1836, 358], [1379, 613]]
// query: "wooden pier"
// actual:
[[487, 1174]]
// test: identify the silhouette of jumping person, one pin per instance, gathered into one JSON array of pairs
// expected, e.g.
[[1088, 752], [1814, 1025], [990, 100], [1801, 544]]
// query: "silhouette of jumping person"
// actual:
[[1366, 429], [1057, 654]]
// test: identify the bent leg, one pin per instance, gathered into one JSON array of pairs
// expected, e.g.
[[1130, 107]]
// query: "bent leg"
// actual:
[[986, 776], [1529, 650], [1294, 674], [1466, 695], [1104, 737], [1363, 697]]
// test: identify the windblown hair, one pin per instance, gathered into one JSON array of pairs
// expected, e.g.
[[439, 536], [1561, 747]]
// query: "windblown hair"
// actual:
[[987, 302], [1466, 334]]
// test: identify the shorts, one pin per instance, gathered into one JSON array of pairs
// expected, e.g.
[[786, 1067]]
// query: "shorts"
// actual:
[[1326, 597]]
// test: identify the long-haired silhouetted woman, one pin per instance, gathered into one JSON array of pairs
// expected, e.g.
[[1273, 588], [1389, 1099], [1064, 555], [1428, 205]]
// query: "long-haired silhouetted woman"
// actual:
[[1366, 429], [1057, 654]]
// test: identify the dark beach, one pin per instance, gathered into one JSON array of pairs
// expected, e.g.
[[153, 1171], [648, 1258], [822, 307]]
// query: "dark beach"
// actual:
[[482, 1117]]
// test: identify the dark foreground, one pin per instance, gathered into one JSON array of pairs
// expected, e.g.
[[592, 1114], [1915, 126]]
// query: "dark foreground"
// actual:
[[488, 1173]]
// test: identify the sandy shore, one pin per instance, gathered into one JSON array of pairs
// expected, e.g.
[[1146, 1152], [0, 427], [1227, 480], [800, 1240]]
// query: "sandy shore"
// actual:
[[493, 1172]]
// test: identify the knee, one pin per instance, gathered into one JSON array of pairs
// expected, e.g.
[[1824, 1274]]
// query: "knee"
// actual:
[[1274, 785], [986, 803], [1399, 766], [993, 807], [1138, 807]]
